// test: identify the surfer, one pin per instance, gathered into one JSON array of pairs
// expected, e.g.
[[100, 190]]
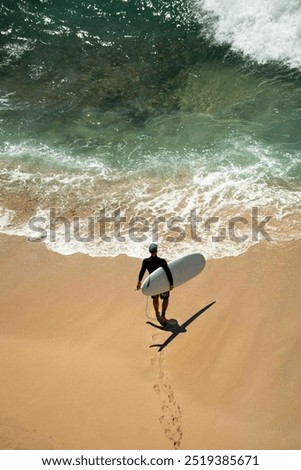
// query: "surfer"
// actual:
[[151, 264]]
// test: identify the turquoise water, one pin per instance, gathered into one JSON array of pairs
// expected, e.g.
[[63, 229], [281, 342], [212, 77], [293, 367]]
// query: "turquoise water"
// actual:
[[156, 107]]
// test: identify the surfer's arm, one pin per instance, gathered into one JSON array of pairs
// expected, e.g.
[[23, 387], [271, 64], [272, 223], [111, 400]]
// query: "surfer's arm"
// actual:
[[141, 274]]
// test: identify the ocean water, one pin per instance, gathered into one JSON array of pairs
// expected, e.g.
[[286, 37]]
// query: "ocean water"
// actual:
[[140, 120]]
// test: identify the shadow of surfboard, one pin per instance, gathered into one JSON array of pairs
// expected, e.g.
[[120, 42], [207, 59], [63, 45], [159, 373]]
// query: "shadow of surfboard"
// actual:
[[176, 329]]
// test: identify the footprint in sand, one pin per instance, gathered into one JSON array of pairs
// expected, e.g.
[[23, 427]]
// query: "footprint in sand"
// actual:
[[171, 417]]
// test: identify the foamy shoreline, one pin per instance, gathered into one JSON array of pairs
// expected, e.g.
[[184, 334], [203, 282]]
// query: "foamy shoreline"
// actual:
[[112, 233]]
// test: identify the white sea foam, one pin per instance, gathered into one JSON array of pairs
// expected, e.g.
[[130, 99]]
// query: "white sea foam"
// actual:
[[6, 218], [264, 30], [5, 101], [218, 195], [15, 50], [213, 186], [35, 153]]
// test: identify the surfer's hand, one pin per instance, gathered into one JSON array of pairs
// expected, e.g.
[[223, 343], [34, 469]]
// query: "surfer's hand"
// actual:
[[138, 285], [171, 287]]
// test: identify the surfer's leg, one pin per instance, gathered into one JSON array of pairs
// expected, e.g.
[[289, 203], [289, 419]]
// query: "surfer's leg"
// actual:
[[156, 304], [165, 305], [165, 300]]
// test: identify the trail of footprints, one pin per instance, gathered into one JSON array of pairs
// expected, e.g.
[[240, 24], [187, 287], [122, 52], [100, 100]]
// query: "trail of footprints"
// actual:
[[171, 416]]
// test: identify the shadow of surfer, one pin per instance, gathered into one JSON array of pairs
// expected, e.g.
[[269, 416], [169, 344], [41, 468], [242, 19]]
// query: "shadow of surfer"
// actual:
[[174, 327]]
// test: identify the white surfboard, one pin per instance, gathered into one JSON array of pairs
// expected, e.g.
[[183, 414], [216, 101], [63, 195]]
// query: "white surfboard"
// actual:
[[182, 269]]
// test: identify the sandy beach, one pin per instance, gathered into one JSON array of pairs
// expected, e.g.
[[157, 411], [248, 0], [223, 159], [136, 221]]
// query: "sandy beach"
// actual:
[[77, 371]]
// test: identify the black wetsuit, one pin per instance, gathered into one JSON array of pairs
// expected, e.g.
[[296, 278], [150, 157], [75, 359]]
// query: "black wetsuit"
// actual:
[[151, 264]]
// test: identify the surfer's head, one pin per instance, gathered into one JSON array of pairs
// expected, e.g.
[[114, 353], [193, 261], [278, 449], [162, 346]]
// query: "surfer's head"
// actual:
[[153, 248]]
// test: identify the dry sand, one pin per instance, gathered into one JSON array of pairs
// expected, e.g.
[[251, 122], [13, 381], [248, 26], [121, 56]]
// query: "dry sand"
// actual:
[[77, 371]]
